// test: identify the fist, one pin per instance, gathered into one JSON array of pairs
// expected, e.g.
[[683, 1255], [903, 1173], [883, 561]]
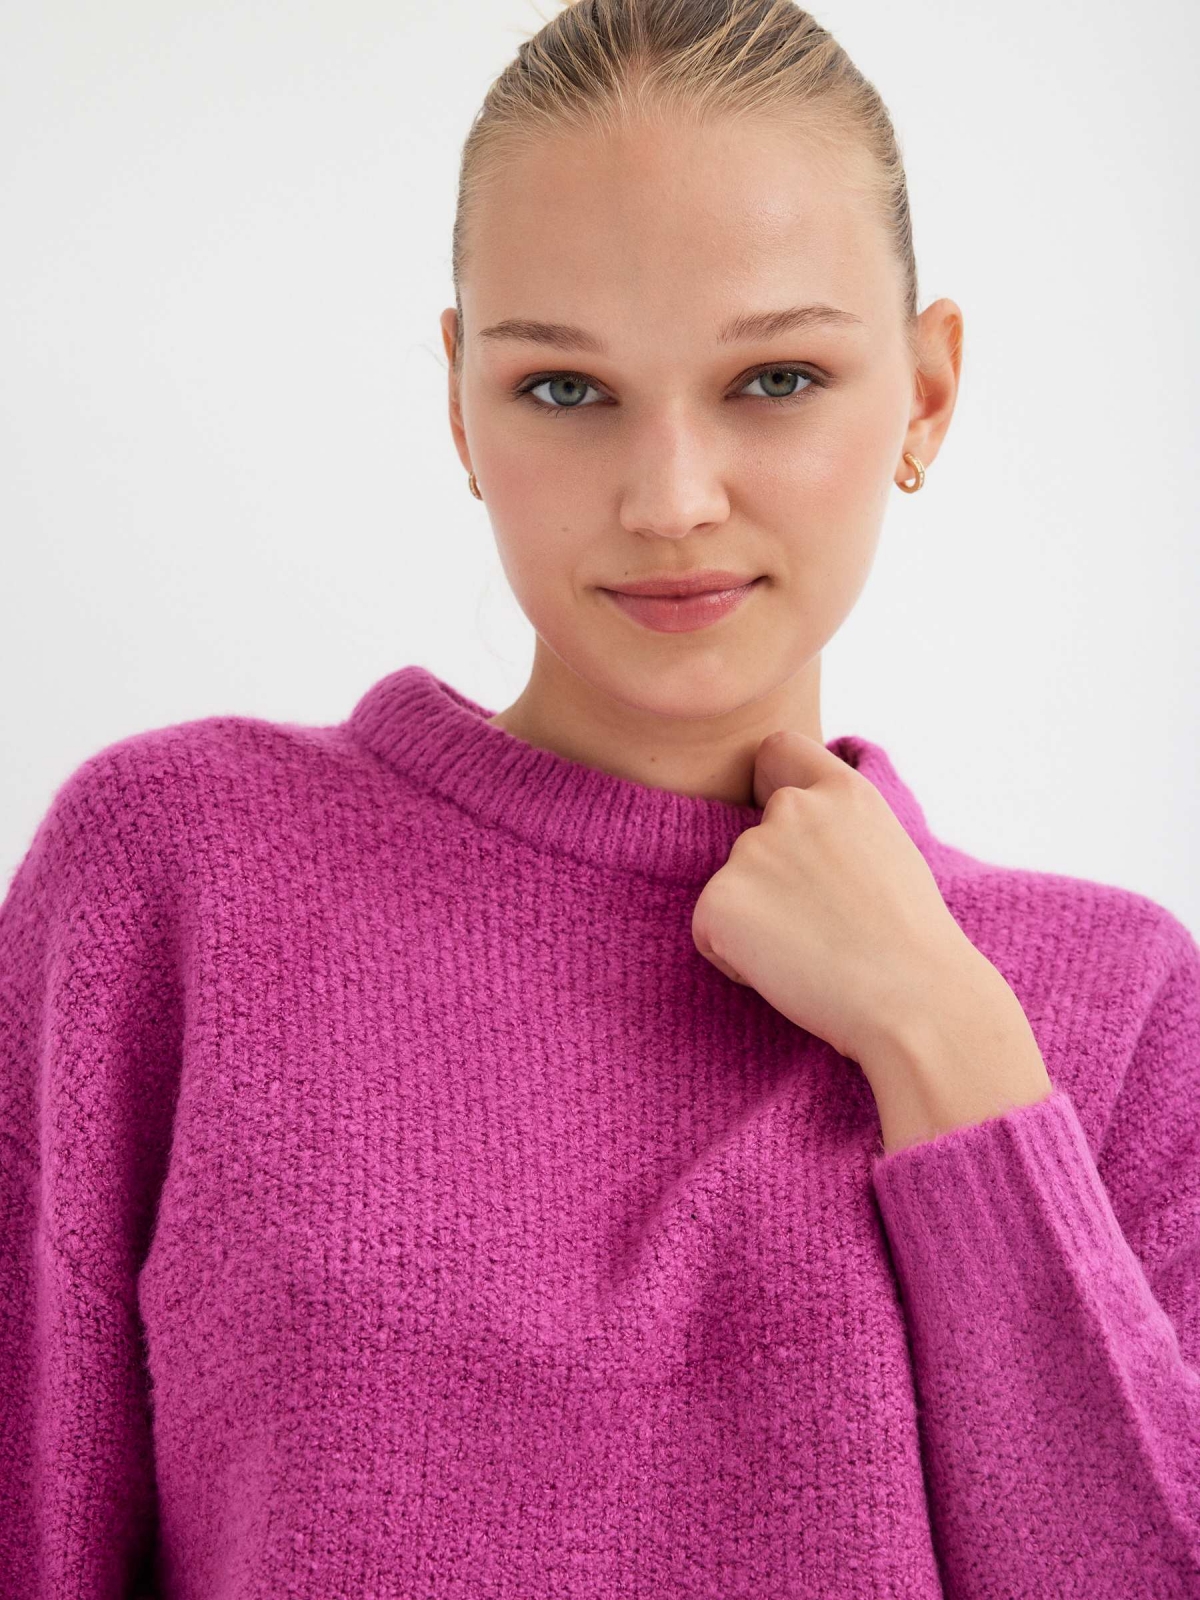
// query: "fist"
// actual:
[[827, 907]]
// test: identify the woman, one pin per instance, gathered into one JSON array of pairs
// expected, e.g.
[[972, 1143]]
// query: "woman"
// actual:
[[609, 1146]]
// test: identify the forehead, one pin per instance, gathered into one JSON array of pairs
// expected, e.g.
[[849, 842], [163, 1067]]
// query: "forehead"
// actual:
[[677, 222]]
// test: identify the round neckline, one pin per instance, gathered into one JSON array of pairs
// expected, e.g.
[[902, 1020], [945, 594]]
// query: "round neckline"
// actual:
[[440, 739]]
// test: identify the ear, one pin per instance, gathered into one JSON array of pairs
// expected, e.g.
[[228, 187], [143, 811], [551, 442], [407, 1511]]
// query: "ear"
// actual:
[[449, 324]]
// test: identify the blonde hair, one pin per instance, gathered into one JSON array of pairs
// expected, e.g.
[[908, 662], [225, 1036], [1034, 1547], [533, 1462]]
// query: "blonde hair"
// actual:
[[602, 63]]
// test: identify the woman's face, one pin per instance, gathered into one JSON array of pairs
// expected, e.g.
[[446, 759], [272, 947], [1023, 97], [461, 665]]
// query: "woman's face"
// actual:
[[679, 446]]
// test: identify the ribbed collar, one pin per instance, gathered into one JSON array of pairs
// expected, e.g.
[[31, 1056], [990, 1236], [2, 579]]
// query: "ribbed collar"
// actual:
[[438, 737]]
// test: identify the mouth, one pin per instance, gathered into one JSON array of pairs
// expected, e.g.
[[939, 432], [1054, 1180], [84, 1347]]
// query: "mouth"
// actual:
[[678, 586], [683, 613]]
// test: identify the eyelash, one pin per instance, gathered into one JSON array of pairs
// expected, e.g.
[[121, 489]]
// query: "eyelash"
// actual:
[[524, 390]]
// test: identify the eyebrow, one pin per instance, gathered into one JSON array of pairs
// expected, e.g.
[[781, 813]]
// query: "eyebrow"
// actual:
[[751, 325]]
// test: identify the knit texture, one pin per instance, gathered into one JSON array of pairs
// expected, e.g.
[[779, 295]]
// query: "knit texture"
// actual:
[[394, 1203]]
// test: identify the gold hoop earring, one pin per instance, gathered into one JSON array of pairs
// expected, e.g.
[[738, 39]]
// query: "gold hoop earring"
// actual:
[[911, 488], [473, 486]]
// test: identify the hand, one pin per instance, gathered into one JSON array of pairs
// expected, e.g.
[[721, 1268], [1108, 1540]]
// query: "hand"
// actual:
[[830, 911]]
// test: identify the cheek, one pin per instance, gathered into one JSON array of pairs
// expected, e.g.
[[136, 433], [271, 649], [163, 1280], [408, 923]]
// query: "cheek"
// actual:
[[538, 545], [537, 503], [836, 457], [517, 475]]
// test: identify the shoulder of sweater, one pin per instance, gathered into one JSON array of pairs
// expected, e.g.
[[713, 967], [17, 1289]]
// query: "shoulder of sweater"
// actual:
[[232, 746], [1069, 919], [140, 797], [1046, 894], [1095, 966]]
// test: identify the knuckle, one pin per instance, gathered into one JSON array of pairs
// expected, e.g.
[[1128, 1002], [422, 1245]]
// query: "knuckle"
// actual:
[[788, 799]]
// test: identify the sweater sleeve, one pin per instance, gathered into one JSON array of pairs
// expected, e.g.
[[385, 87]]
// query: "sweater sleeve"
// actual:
[[88, 1030], [1055, 1344]]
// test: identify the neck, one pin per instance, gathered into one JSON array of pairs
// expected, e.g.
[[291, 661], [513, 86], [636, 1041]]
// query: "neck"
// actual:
[[667, 736]]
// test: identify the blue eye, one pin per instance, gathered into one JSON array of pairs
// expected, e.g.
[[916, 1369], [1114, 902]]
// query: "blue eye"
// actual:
[[783, 372], [580, 384], [572, 379]]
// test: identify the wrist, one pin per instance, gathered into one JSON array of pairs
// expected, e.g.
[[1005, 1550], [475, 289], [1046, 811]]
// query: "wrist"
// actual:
[[967, 1055]]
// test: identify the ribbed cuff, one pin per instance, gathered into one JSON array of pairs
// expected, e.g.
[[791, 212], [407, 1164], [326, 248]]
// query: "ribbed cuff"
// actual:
[[975, 1210]]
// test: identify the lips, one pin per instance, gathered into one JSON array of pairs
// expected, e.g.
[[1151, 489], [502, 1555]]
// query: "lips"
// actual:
[[679, 585], [681, 614]]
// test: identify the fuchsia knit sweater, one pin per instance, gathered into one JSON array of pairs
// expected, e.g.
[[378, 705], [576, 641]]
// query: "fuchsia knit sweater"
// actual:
[[394, 1203]]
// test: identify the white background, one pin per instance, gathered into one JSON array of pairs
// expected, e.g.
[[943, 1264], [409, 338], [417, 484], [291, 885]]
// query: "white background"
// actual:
[[227, 481]]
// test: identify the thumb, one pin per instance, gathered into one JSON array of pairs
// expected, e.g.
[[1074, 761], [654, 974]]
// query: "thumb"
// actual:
[[788, 758]]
